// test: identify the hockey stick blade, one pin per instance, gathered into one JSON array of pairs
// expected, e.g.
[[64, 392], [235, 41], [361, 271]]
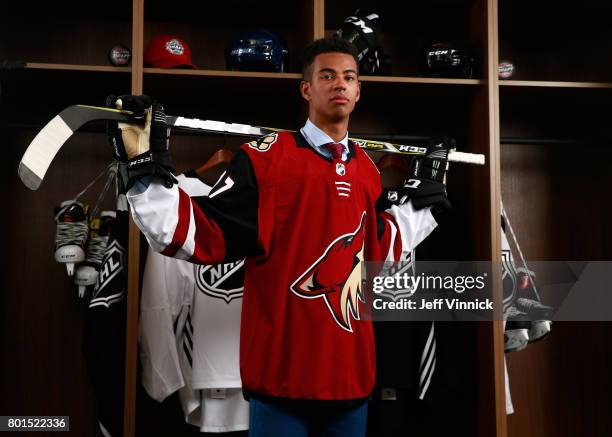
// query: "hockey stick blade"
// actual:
[[45, 145], [43, 148]]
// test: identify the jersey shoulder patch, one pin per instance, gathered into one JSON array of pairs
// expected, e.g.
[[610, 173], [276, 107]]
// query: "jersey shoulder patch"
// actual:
[[264, 143], [359, 152]]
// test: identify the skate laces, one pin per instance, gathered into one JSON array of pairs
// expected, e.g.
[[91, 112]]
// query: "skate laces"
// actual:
[[513, 311], [77, 232], [71, 233], [95, 249], [75, 239], [528, 304], [533, 306]]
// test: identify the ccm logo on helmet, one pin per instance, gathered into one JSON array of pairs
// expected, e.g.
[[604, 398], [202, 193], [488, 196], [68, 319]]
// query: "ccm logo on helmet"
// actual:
[[359, 23]]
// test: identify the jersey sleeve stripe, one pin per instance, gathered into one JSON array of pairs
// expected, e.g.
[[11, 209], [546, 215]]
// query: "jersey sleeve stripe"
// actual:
[[391, 240], [209, 242], [169, 216], [184, 219], [390, 253], [186, 251]]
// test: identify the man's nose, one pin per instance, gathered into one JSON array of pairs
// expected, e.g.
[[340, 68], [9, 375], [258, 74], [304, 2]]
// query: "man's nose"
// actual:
[[340, 84]]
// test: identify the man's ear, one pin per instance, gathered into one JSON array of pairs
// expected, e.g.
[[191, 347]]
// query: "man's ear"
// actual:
[[305, 89], [358, 91]]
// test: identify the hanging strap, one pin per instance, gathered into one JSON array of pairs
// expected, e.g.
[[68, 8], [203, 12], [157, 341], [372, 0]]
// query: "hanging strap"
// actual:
[[112, 167], [531, 281], [111, 172]]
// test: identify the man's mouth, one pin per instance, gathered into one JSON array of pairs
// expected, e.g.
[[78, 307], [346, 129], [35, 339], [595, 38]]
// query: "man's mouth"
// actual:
[[339, 99]]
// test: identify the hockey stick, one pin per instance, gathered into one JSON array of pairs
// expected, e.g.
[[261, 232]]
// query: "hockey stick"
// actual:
[[43, 148]]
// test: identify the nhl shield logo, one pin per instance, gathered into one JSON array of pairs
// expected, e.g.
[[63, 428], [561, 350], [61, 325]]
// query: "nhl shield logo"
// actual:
[[112, 265], [340, 169], [221, 281], [392, 196], [399, 269]]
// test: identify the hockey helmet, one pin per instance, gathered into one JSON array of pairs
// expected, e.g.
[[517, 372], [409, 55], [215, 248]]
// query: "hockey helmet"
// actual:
[[448, 60], [364, 30], [376, 63], [259, 50]]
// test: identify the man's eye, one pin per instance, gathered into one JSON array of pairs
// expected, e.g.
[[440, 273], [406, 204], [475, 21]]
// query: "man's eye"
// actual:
[[327, 77], [350, 78]]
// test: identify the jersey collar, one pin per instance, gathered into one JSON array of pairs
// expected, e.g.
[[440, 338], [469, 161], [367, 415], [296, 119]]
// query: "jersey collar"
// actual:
[[317, 139]]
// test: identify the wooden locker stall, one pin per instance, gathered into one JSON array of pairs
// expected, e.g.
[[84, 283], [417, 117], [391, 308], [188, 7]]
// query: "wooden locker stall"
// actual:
[[555, 135], [42, 321], [403, 104]]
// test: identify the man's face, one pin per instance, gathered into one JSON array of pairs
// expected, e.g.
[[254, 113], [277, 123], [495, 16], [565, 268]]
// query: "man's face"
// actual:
[[334, 87]]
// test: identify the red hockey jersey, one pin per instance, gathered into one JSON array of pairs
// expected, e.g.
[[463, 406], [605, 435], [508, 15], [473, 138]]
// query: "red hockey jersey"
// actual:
[[304, 223]]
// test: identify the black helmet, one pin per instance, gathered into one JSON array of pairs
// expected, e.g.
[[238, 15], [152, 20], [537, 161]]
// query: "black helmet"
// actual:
[[448, 60], [364, 30], [259, 50]]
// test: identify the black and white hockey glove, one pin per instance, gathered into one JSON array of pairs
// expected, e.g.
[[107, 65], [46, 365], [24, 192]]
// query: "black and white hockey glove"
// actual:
[[425, 185], [143, 147]]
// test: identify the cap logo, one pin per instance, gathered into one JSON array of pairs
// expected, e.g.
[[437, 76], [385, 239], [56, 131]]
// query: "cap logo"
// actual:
[[175, 47]]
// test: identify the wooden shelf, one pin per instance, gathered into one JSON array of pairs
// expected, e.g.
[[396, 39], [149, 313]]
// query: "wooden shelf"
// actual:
[[554, 84], [421, 80], [222, 73], [77, 67], [265, 75]]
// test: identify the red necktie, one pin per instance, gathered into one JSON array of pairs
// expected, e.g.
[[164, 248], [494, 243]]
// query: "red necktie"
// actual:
[[335, 149]]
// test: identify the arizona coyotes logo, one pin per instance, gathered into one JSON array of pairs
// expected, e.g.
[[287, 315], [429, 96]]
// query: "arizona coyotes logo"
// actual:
[[336, 277], [263, 144]]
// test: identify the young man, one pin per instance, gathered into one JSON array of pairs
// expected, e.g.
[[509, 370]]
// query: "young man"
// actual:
[[301, 208]]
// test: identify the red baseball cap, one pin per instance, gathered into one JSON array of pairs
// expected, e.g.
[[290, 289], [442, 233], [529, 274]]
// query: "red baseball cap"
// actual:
[[168, 51]]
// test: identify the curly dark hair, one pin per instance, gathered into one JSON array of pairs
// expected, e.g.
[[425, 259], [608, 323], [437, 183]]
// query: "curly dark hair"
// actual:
[[325, 45]]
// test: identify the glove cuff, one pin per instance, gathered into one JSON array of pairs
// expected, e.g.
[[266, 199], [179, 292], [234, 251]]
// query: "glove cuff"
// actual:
[[163, 159], [422, 193], [146, 164]]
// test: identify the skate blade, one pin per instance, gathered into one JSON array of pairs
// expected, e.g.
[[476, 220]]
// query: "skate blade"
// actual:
[[539, 330], [516, 340]]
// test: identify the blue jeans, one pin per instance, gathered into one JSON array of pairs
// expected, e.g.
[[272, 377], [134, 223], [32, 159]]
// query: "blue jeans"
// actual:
[[271, 419]]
